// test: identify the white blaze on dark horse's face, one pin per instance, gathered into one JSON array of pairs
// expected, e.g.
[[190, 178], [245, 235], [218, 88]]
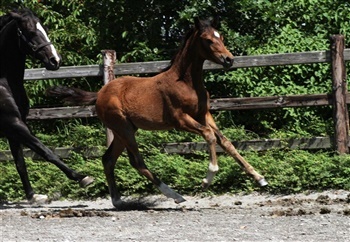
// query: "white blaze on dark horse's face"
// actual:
[[36, 42], [55, 58]]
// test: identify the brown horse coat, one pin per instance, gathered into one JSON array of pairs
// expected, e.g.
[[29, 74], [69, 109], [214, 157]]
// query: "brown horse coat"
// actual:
[[175, 98]]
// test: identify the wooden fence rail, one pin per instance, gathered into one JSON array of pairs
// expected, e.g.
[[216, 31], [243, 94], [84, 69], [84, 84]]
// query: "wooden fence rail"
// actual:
[[155, 66], [215, 104]]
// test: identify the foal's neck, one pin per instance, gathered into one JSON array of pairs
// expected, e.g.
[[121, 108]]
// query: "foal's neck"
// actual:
[[188, 64]]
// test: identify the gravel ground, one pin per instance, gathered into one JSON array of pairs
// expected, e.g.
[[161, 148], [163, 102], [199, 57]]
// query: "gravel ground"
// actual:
[[256, 217]]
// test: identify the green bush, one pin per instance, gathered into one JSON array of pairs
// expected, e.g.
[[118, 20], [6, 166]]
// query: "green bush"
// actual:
[[287, 171], [80, 29]]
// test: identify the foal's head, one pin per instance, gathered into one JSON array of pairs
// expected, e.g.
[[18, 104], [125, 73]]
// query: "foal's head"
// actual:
[[34, 39], [211, 44]]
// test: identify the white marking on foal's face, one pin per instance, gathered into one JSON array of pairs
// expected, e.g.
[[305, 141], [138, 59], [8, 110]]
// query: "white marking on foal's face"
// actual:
[[41, 29], [216, 34]]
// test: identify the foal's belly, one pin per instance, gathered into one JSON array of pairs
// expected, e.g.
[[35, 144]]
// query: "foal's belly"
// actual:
[[148, 124]]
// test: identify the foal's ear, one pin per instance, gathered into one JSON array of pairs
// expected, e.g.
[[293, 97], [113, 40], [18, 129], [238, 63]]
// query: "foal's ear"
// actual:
[[215, 22], [197, 23]]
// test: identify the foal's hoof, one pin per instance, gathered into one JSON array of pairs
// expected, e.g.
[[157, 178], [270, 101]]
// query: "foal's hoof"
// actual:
[[38, 199], [86, 181], [205, 184], [119, 204], [179, 199], [262, 182]]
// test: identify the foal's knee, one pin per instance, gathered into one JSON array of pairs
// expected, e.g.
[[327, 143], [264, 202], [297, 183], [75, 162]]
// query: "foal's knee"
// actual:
[[209, 136]]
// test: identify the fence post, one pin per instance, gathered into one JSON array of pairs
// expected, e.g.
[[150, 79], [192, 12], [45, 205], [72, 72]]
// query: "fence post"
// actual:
[[109, 58], [339, 91]]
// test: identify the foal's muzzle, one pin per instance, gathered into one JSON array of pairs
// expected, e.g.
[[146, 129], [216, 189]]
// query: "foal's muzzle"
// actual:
[[227, 61]]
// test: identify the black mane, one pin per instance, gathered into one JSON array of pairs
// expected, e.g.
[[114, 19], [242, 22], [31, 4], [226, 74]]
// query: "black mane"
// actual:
[[24, 12], [5, 19]]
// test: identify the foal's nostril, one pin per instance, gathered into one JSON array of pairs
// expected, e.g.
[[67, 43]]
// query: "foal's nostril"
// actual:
[[229, 60]]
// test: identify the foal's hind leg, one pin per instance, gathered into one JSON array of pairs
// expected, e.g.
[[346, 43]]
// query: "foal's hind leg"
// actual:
[[127, 135], [109, 160], [137, 162], [230, 149]]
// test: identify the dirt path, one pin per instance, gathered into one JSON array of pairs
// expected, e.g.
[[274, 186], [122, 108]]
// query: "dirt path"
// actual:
[[314, 217]]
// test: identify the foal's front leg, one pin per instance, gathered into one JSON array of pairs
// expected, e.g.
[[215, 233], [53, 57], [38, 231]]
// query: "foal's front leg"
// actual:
[[187, 123], [230, 149]]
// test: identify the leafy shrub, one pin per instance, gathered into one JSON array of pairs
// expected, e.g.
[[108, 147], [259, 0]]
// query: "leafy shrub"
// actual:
[[287, 171]]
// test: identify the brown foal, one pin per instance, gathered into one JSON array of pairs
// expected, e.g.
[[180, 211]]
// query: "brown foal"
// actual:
[[175, 98]]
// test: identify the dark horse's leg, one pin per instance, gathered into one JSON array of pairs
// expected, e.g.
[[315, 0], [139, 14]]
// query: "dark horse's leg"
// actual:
[[18, 133], [17, 153]]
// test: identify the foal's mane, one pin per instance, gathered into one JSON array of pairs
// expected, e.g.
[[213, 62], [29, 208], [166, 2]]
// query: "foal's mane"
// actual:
[[204, 25], [187, 36]]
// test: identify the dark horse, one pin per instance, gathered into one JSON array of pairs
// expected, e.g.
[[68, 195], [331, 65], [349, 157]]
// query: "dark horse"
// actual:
[[21, 33], [175, 98]]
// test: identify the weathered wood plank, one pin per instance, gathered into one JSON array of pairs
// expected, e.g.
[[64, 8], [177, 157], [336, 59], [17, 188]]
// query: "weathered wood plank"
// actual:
[[252, 145], [64, 72], [109, 58], [339, 91], [191, 147], [62, 112], [271, 102], [156, 66], [215, 105], [62, 152]]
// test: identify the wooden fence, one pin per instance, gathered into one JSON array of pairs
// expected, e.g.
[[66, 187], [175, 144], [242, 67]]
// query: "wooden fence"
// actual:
[[339, 99]]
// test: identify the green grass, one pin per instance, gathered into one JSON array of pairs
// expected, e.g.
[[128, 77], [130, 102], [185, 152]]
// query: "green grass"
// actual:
[[287, 171]]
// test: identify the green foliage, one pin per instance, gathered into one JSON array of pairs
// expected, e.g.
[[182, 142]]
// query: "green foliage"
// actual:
[[287, 171], [152, 30], [74, 134]]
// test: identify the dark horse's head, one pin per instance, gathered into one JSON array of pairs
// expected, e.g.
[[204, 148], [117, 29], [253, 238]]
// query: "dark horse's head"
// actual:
[[33, 38], [212, 45]]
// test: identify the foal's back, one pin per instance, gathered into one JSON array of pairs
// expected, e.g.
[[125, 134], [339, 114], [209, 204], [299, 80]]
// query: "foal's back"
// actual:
[[151, 103], [132, 99]]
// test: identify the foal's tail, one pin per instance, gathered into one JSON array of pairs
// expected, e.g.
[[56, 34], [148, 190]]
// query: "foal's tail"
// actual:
[[72, 96]]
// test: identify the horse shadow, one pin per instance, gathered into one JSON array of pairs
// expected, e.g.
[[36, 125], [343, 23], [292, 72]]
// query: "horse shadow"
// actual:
[[132, 204]]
